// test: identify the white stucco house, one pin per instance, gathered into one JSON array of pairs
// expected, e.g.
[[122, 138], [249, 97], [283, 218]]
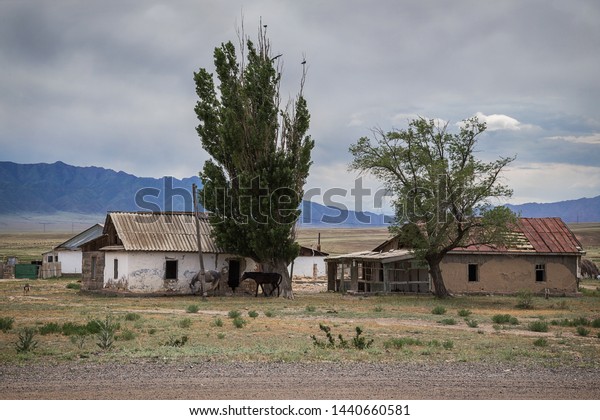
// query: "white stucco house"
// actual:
[[155, 253]]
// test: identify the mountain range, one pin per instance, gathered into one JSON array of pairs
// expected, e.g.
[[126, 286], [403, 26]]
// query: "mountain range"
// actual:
[[44, 189]]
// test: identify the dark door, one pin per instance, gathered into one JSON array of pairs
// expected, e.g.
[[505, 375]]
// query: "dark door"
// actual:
[[233, 279]]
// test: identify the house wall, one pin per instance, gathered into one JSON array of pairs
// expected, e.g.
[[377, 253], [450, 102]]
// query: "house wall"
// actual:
[[303, 266], [92, 277], [510, 273], [70, 261]]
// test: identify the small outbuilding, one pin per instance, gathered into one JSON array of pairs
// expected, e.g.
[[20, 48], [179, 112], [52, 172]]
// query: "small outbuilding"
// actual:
[[66, 258], [544, 256]]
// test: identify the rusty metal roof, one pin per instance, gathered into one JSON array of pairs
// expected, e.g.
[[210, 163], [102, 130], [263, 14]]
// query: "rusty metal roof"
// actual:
[[543, 235], [174, 232]]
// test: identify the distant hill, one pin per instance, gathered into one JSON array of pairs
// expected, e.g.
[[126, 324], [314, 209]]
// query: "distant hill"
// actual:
[[571, 211], [35, 193]]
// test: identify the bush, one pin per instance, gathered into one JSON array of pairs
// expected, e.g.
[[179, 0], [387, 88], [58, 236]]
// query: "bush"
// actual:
[[192, 309], [269, 314], [26, 342], [50, 328], [538, 326], [185, 323], [74, 286], [580, 321], [78, 340], [438, 310], [106, 333], [239, 322], [234, 314], [70, 328], [596, 323], [126, 335], [540, 342], [464, 313], [132, 316], [472, 323], [582, 331], [525, 299], [177, 342], [505, 319], [398, 343], [252, 314], [378, 308], [221, 336], [448, 344], [359, 342], [6, 323], [218, 322], [448, 321], [310, 308]]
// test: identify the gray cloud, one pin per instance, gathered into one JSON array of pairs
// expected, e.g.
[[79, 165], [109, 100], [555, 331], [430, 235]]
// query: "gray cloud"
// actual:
[[110, 83]]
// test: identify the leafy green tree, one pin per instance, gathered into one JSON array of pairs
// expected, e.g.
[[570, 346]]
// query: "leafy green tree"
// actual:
[[444, 196], [261, 155]]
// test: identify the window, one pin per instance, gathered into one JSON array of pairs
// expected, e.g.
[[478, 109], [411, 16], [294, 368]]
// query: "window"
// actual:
[[115, 269], [171, 269], [473, 272], [93, 270], [540, 272], [49, 258]]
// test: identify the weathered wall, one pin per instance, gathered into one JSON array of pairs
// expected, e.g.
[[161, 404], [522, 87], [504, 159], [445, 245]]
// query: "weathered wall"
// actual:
[[70, 261], [509, 273], [303, 266], [89, 279]]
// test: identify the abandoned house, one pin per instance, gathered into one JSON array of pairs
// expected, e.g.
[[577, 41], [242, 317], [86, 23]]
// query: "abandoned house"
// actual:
[[310, 263], [66, 258], [544, 257], [155, 253]]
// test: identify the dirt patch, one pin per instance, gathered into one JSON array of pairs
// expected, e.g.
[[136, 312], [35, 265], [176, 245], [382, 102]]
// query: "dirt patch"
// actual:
[[157, 379]]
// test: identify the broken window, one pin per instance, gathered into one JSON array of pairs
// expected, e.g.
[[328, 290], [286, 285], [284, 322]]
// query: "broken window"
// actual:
[[171, 270], [540, 272], [473, 272]]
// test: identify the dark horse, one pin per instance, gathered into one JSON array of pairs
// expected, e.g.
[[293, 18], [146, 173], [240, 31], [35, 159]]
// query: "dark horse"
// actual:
[[274, 279]]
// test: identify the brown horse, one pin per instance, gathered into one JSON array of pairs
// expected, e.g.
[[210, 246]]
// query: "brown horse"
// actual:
[[274, 279]]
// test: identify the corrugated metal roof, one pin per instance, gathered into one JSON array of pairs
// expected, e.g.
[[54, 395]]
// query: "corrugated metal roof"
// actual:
[[384, 257], [544, 235], [162, 232], [83, 237]]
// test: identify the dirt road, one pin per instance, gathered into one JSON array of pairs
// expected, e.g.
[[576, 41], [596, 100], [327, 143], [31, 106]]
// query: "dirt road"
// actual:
[[268, 381]]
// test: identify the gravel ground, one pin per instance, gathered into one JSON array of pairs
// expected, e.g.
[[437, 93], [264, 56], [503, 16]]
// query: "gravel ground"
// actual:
[[147, 380]]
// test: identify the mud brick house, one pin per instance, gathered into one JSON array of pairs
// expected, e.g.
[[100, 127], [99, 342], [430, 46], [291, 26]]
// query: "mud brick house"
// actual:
[[154, 253], [544, 257]]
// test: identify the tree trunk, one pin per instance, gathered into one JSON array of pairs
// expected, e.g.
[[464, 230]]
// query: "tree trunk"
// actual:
[[436, 277], [281, 267]]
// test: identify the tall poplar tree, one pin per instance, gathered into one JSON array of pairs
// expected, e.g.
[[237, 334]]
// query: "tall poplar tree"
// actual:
[[260, 154]]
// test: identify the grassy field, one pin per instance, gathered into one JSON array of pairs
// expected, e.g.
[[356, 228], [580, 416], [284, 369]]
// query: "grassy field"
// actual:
[[403, 328]]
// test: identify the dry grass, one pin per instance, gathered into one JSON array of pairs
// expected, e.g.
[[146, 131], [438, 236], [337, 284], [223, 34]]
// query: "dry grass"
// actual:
[[29, 246], [285, 335]]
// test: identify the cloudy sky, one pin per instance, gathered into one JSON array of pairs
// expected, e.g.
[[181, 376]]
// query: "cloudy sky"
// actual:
[[110, 83]]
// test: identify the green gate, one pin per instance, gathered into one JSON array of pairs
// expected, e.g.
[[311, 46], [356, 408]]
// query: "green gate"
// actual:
[[26, 271]]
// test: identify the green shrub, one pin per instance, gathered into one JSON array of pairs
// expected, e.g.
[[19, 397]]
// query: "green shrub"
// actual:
[[448, 344], [126, 335], [472, 323], [218, 322], [596, 323], [310, 308], [448, 321], [438, 310], [106, 333], [505, 319], [580, 321], [378, 308], [359, 342], [192, 309], [152, 331], [74, 286], [525, 299], [70, 328], [234, 314], [252, 314], [221, 336], [26, 342], [132, 316], [50, 328], [540, 342], [269, 314], [239, 322], [185, 323], [464, 313], [398, 343], [538, 326], [176, 342], [78, 340], [582, 331], [6, 323]]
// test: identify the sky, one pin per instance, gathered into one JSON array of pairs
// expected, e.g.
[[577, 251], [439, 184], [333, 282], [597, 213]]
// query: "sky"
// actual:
[[110, 83]]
